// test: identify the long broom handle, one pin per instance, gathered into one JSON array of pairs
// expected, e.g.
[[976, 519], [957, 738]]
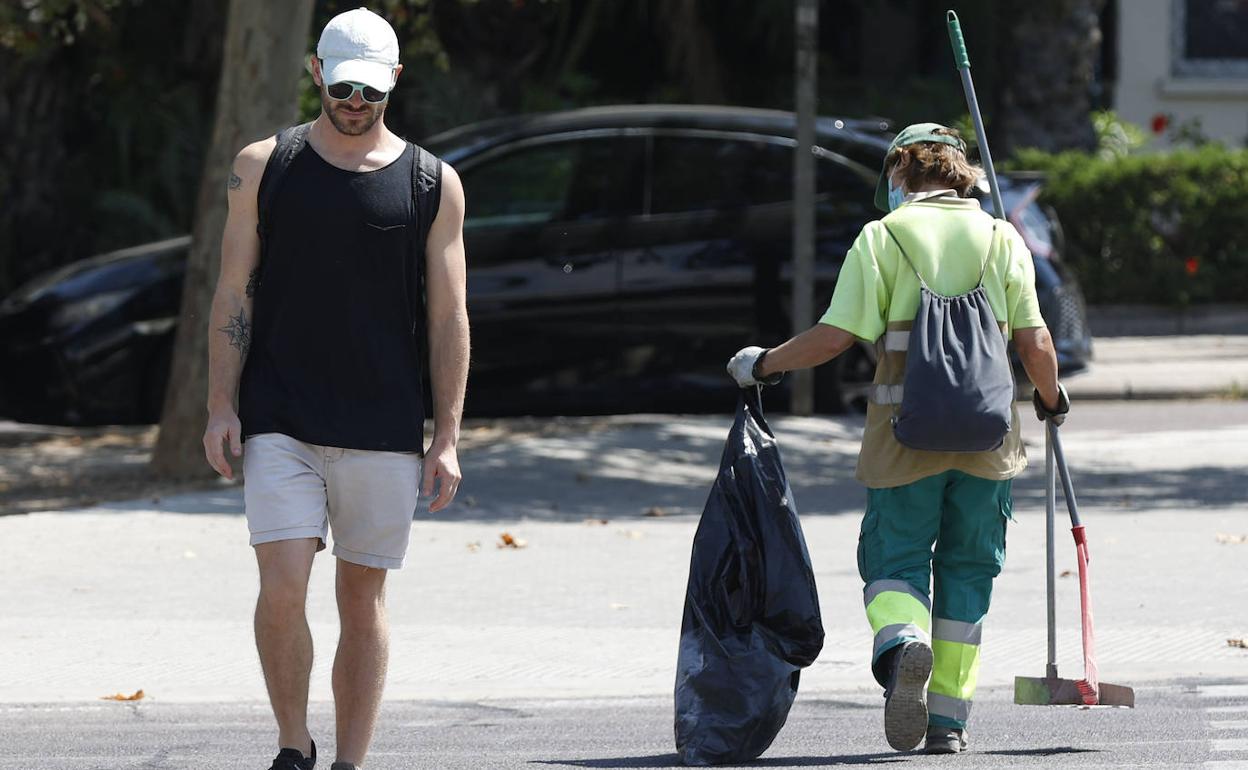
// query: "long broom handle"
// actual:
[[1068, 489], [1050, 514], [968, 87]]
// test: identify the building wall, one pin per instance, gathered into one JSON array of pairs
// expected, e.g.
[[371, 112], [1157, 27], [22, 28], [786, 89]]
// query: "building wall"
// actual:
[[1148, 85]]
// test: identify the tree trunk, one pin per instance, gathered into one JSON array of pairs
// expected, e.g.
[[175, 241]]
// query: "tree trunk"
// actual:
[[1048, 60], [690, 51], [263, 59], [35, 165]]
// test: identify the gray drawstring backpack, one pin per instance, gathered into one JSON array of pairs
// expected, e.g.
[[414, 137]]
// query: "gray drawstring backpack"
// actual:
[[958, 391]]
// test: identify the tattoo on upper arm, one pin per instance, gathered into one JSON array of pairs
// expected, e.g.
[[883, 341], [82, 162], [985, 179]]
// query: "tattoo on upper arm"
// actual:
[[253, 282], [238, 330], [235, 181]]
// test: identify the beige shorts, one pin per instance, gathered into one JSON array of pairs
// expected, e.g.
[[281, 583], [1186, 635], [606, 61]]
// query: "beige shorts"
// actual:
[[295, 490]]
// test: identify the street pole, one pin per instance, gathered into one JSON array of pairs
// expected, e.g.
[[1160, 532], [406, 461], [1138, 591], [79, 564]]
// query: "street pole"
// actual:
[[807, 17]]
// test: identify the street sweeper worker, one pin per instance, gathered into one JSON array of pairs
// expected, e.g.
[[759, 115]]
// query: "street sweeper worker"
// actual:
[[932, 516]]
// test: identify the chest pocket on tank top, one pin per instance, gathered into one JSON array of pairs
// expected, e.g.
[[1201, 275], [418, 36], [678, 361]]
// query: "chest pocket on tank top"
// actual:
[[383, 249]]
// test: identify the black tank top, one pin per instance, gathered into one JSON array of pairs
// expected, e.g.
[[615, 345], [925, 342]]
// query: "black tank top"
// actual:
[[333, 358]]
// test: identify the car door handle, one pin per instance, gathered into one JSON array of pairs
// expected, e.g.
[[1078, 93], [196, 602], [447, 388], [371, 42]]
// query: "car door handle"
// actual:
[[568, 264]]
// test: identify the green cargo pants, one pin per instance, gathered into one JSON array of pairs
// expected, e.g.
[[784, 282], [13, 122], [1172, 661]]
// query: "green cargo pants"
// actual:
[[964, 517]]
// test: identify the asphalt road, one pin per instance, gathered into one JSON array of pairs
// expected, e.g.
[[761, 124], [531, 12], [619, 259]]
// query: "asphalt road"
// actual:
[[560, 654], [1176, 725]]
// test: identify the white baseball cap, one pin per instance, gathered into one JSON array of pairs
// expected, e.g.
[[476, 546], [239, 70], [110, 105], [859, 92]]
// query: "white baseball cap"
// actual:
[[359, 46]]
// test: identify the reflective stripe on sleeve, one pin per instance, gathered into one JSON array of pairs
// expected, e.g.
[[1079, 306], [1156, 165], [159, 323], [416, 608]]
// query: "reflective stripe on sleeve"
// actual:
[[886, 395], [897, 341]]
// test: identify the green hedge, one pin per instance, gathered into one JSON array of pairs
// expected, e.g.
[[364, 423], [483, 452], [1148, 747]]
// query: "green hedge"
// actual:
[[1160, 228]]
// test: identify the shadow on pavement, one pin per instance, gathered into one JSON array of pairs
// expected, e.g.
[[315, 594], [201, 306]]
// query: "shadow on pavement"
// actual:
[[634, 466], [1040, 752], [672, 760], [1117, 491]]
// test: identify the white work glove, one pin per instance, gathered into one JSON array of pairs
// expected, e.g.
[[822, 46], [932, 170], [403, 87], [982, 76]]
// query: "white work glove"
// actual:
[[742, 368]]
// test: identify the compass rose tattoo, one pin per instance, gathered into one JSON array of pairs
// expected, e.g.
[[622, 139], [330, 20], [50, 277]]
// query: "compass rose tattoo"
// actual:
[[238, 330]]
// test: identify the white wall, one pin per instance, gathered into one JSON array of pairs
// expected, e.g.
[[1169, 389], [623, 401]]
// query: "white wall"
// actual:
[[1146, 86]]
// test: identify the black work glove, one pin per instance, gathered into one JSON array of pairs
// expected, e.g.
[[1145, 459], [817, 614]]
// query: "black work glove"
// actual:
[[1058, 415]]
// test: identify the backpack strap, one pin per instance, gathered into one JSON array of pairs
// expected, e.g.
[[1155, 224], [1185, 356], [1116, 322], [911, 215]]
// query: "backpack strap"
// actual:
[[992, 243], [983, 268], [426, 199], [290, 142], [905, 256]]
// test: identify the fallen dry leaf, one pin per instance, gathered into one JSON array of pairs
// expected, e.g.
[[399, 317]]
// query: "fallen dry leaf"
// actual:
[[474, 547], [1240, 643], [511, 542], [597, 522], [1066, 573], [138, 695], [655, 511], [1232, 539]]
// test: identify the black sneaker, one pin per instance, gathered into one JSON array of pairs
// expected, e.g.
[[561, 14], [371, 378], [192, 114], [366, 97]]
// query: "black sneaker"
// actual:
[[343, 766], [293, 759], [905, 697]]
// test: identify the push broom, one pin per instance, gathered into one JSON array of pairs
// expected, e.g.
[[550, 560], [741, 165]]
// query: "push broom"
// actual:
[[1049, 690]]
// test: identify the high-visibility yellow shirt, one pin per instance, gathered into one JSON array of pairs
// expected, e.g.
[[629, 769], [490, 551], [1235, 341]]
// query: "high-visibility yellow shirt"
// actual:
[[948, 239]]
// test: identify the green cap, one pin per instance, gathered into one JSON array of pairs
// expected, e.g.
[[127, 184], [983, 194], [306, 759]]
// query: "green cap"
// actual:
[[919, 132]]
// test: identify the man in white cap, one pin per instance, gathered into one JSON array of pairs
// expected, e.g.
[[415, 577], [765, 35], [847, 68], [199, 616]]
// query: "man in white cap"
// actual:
[[343, 252]]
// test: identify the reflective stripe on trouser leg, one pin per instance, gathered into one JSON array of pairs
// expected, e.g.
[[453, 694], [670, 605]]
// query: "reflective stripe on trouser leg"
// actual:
[[897, 612], [968, 556], [955, 671]]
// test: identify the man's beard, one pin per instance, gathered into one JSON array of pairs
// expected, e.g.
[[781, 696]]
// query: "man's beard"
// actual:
[[351, 124]]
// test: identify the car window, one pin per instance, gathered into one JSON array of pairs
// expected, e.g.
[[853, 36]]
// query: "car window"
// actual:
[[835, 178], [698, 174], [707, 174], [573, 180], [771, 174], [845, 203]]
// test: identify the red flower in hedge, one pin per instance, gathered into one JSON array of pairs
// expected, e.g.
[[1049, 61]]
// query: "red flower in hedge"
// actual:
[[1160, 122], [1191, 265]]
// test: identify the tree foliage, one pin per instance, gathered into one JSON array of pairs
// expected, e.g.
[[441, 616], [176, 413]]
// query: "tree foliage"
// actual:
[[107, 105], [1152, 228], [108, 102]]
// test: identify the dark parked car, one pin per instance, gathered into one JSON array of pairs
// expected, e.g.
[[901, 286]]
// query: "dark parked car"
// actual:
[[617, 257]]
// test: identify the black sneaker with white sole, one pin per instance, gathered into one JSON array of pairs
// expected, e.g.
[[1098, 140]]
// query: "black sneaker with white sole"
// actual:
[[293, 759], [905, 697]]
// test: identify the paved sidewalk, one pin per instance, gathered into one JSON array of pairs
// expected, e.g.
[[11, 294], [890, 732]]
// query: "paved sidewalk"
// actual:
[[157, 594], [1209, 366]]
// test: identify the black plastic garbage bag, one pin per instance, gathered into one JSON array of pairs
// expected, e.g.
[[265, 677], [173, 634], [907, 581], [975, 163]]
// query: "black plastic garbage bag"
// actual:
[[751, 619]]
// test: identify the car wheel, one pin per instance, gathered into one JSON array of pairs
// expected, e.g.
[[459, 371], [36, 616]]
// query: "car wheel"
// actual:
[[846, 386]]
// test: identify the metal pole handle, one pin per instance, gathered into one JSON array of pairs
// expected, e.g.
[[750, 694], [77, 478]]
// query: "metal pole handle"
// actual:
[[1050, 514], [1068, 489], [968, 87]]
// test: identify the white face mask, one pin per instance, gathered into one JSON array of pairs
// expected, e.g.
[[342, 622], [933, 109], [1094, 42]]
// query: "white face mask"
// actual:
[[895, 196]]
